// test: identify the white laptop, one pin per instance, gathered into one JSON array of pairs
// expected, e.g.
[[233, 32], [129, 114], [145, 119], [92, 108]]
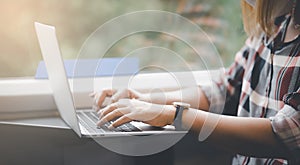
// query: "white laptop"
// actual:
[[83, 122]]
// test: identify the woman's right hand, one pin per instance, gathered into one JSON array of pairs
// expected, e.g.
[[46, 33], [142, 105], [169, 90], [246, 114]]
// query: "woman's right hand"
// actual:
[[115, 95]]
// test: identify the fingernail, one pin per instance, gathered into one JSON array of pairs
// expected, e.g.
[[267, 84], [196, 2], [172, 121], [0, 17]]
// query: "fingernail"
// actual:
[[99, 123], [111, 127], [100, 112]]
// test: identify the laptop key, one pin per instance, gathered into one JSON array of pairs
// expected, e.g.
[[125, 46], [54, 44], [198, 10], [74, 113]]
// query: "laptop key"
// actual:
[[92, 116], [132, 127]]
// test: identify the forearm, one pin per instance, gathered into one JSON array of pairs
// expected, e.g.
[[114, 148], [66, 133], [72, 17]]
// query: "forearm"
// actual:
[[193, 95], [246, 136]]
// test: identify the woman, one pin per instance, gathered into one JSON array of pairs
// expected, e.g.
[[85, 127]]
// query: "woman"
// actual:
[[263, 90]]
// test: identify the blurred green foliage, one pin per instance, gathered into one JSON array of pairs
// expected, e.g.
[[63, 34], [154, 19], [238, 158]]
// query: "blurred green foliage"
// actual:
[[77, 19]]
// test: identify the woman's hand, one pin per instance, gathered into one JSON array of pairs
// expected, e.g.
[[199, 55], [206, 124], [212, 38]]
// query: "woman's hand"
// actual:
[[99, 97], [126, 110]]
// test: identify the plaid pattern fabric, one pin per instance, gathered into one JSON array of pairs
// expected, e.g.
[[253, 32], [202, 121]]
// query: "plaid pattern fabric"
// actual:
[[264, 82]]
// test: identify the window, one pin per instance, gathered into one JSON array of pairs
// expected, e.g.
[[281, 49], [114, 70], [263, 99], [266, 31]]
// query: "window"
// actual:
[[77, 19]]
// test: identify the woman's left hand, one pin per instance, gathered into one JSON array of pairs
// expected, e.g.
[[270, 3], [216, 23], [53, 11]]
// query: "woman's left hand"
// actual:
[[126, 110]]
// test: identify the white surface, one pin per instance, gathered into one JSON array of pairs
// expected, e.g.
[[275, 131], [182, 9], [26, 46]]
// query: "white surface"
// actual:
[[36, 95], [50, 122], [27, 97]]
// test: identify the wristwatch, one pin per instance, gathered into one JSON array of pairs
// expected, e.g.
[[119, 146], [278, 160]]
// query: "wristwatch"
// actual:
[[180, 107]]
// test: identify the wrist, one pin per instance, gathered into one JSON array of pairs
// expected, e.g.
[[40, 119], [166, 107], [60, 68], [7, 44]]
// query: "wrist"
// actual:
[[170, 111], [145, 97], [180, 109]]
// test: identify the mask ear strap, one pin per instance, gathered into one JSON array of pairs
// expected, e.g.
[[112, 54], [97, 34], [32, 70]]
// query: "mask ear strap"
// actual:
[[296, 13]]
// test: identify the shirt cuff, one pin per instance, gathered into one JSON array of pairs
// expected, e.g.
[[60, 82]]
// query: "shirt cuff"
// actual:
[[216, 98], [286, 125]]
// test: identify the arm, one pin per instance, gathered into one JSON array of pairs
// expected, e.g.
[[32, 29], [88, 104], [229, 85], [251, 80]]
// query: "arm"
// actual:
[[193, 95], [246, 136]]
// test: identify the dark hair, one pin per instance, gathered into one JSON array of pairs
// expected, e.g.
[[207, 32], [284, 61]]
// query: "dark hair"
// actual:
[[296, 12]]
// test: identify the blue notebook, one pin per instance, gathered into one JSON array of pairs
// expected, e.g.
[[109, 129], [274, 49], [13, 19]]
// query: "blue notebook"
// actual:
[[94, 67]]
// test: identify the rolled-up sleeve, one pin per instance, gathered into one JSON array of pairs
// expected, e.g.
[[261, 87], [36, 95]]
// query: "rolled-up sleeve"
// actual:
[[286, 124], [224, 91]]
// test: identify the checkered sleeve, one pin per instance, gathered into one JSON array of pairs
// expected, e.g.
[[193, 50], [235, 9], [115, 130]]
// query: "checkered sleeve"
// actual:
[[224, 91], [286, 124]]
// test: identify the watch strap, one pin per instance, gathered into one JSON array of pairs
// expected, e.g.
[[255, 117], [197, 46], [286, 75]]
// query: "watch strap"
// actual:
[[178, 117]]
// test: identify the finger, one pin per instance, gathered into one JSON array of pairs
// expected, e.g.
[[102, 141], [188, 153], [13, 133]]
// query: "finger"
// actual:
[[132, 94], [96, 108], [100, 97], [120, 121], [110, 92], [110, 116], [107, 110], [119, 95], [95, 102]]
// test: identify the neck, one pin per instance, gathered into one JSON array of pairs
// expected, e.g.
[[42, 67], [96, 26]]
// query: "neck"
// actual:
[[292, 32]]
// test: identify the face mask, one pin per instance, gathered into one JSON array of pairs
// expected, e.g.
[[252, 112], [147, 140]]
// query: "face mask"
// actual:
[[251, 2]]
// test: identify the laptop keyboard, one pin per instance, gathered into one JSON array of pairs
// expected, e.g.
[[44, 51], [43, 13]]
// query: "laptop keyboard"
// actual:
[[89, 119]]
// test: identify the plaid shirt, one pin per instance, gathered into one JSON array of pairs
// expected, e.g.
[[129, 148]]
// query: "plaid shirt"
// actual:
[[264, 82]]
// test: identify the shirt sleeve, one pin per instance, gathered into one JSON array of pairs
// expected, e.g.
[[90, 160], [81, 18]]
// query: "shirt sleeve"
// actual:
[[224, 91], [286, 124]]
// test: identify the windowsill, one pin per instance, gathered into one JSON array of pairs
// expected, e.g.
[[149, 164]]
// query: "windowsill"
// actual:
[[33, 95]]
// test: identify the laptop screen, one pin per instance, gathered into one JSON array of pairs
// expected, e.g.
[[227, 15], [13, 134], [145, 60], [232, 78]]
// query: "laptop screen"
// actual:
[[57, 74]]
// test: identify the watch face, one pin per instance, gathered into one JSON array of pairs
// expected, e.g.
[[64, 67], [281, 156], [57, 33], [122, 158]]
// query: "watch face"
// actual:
[[185, 105]]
